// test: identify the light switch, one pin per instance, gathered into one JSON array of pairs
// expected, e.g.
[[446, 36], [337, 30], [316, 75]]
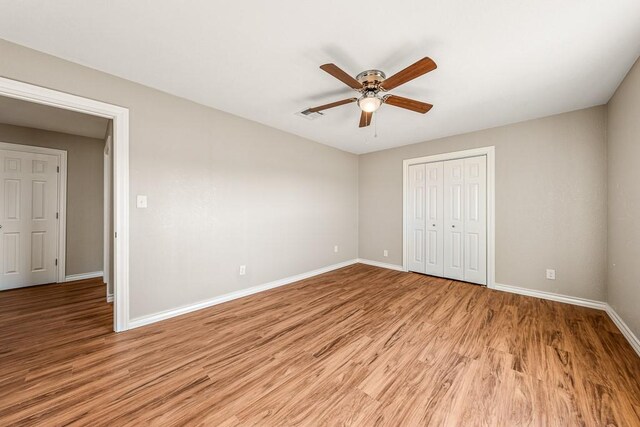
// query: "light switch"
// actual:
[[141, 201]]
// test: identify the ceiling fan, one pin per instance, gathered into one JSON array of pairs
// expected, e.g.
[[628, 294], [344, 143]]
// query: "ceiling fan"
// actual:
[[372, 83]]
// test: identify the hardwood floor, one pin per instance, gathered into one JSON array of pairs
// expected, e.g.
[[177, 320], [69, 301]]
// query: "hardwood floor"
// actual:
[[358, 346]]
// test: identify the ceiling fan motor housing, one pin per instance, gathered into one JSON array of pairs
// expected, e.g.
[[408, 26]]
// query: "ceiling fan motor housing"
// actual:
[[371, 79]]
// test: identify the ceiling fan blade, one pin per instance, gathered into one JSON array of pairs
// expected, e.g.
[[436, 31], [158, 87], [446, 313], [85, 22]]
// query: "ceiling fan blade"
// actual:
[[413, 71], [409, 104], [345, 78], [365, 119], [327, 106]]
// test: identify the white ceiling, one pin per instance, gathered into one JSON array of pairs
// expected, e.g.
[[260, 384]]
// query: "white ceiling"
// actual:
[[499, 61], [28, 114]]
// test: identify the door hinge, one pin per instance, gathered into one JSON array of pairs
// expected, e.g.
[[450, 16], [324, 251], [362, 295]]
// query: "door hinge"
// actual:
[[115, 235], [56, 261], [57, 215], [58, 169]]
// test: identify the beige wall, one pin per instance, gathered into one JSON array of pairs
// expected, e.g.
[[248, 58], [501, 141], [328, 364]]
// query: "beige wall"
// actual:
[[623, 139], [222, 191], [550, 200], [84, 192]]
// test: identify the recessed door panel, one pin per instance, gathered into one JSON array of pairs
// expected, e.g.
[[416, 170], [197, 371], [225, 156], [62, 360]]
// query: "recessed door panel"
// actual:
[[38, 199], [12, 199], [12, 164], [11, 249], [456, 250], [473, 206], [433, 247], [418, 212], [39, 166], [456, 202], [418, 247], [29, 193], [473, 252], [38, 248]]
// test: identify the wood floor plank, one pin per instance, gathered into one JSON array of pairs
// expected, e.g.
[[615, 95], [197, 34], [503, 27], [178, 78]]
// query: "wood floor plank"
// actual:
[[360, 346]]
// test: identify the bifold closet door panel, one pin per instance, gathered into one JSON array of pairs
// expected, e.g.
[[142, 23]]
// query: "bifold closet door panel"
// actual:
[[475, 220], [454, 213], [435, 219], [417, 218]]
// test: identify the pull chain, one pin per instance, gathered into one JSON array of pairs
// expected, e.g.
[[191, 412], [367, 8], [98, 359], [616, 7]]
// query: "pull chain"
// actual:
[[375, 125]]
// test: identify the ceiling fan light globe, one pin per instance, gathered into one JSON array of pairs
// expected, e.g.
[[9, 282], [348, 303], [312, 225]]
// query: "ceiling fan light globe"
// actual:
[[369, 104]]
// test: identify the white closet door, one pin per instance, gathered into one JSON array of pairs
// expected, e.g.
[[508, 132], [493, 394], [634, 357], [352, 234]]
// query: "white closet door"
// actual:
[[435, 219], [28, 237], [454, 219], [417, 219], [475, 220]]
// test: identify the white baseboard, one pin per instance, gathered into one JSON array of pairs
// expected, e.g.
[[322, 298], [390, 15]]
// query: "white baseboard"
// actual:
[[626, 331], [583, 302], [380, 264], [109, 297], [152, 318], [83, 276]]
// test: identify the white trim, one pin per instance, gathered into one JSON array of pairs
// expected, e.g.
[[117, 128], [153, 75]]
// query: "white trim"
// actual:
[[120, 117], [107, 209], [626, 331], [83, 276], [381, 264], [582, 302], [167, 314], [61, 228], [491, 202], [62, 221]]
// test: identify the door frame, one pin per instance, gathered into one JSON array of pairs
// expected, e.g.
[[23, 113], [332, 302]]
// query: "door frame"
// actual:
[[120, 117], [491, 206], [106, 216], [61, 228]]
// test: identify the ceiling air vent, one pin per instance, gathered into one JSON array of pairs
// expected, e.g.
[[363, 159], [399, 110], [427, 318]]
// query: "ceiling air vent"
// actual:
[[309, 115]]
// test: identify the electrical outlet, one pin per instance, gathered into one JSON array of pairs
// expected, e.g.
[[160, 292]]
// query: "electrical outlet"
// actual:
[[385, 253], [335, 249], [551, 274], [243, 270]]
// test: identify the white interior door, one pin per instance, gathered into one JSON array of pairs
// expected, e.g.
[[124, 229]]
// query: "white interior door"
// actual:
[[454, 219], [475, 220], [435, 219], [29, 194], [417, 219]]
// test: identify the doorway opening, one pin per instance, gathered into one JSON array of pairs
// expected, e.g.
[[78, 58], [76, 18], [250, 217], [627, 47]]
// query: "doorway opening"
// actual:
[[64, 216]]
